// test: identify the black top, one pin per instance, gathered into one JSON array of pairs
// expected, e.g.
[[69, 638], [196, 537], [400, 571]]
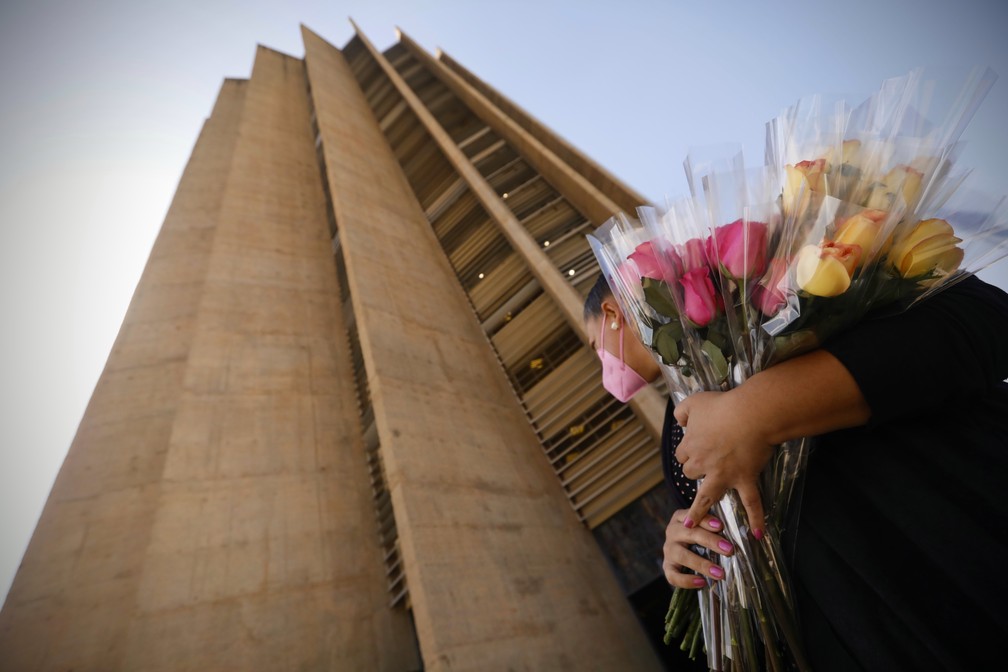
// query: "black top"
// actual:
[[901, 556]]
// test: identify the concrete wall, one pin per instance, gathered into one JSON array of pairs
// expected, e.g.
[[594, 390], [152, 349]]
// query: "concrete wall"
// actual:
[[214, 512], [501, 573]]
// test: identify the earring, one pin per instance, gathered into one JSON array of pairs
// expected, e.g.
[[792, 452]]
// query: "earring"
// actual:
[[614, 326]]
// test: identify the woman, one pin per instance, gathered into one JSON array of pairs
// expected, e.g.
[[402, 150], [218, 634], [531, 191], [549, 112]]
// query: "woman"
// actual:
[[901, 542]]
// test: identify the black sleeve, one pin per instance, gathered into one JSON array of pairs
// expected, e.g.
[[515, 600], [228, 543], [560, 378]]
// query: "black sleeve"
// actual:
[[952, 345], [683, 489]]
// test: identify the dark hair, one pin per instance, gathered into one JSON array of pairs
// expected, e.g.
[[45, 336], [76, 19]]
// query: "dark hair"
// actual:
[[599, 292]]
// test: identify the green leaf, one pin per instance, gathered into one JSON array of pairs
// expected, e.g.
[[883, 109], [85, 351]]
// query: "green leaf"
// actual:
[[717, 332], [658, 297], [717, 359], [666, 341], [786, 346]]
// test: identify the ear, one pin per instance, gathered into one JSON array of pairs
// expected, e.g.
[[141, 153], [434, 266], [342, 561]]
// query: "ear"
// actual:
[[611, 311]]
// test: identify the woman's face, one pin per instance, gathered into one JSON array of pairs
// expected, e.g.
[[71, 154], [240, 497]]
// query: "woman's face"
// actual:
[[635, 354]]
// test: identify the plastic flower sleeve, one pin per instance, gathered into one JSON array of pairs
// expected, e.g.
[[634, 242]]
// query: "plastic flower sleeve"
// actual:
[[612, 244], [687, 305], [970, 234], [710, 159], [859, 209], [745, 220], [748, 616], [643, 277]]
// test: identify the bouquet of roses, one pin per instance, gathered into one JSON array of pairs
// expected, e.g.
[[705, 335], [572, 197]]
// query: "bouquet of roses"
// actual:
[[858, 209], [879, 213], [696, 293]]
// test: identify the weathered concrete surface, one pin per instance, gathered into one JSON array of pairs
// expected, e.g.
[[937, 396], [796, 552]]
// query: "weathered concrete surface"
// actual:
[[501, 574], [264, 553], [214, 512]]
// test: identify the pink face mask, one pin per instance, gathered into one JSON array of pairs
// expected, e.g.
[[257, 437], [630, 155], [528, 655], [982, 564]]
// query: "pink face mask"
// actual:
[[618, 379]]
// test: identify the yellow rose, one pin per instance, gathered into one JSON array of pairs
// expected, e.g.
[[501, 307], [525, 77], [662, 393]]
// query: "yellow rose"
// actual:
[[930, 247], [793, 185], [849, 150], [801, 178], [910, 180], [814, 172], [826, 269], [902, 180], [862, 230]]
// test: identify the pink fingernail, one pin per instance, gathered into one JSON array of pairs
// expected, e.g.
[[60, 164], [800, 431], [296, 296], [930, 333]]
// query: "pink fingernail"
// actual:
[[724, 546], [758, 533], [699, 582], [717, 572], [688, 523], [715, 523]]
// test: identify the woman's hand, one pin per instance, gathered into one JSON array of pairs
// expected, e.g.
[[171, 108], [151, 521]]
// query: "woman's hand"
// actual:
[[725, 444], [730, 436], [678, 555]]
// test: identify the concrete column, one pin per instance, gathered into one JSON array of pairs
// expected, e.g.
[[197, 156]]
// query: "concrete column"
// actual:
[[264, 552], [73, 597], [621, 193], [500, 572], [576, 188], [215, 511]]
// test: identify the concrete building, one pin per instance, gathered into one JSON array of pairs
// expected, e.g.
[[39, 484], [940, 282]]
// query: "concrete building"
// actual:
[[350, 421]]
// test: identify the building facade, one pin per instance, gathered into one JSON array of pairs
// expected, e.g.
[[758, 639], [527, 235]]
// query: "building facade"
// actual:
[[350, 421]]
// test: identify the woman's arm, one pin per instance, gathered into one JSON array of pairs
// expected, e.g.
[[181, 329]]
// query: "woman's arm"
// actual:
[[954, 344], [730, 435]]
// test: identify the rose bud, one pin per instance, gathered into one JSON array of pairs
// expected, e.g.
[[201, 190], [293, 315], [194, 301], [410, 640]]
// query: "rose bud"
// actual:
[[694, 254], [849, 151], [801, 178], [905, 180], [699, 296], [931, 246], [814, 172], [844, 174], [739, 248], [826, 269], [629, 278], [654, 264], [768, 295], [862, 230], [795, 186], [902, 180]]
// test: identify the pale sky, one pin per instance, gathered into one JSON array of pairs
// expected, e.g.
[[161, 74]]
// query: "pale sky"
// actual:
[[101, 103]]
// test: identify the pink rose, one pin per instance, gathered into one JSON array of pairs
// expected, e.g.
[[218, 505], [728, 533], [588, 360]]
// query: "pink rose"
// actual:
[[700, 297], [693, 254], [768, 295], [651, 263], [628, 278], [740, 248]]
